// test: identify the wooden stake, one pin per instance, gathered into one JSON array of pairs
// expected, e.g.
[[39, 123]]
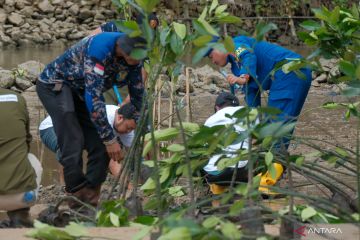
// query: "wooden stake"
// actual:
[[171, 104], [187, 83], [159, 103]]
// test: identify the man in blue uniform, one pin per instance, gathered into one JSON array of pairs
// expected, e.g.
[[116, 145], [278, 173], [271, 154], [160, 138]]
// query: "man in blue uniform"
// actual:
[[110, 96], [251, 65], [71, 90]]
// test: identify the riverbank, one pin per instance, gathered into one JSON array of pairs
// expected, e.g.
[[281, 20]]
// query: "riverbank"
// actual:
[[56, 22]]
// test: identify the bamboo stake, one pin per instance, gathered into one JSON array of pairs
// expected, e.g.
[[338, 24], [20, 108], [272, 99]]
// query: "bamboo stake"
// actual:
[[159, 86], [187, 84], [171, 109]]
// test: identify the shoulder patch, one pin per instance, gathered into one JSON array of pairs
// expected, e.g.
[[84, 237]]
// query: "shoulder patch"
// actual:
[[239, 50]]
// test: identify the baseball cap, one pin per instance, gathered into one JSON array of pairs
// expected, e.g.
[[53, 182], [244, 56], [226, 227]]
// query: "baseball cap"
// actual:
[[128, 44]]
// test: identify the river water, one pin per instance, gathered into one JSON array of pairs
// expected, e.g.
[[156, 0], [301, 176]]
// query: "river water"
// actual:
[[11, 57]]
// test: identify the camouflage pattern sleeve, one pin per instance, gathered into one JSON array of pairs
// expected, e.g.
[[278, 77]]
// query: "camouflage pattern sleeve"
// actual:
[[109, 27], [94, 82], [135, 86]]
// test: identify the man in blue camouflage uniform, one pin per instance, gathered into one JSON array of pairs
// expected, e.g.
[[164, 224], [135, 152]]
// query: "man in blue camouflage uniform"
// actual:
[[251, 65], [110, 96], [71, 90]]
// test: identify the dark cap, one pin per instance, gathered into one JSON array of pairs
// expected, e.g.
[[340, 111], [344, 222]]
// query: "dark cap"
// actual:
[[128, 44], [226, 99], [152, 16]]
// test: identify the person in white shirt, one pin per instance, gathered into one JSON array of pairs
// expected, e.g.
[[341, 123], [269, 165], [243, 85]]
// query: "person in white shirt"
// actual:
[[122, 119], [225, 104]]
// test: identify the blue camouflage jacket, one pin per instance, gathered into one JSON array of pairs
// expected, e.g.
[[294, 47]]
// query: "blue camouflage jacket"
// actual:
[[90, 67], [258, 60]]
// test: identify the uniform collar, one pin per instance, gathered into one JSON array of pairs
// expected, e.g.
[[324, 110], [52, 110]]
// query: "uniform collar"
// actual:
[[231, 59]]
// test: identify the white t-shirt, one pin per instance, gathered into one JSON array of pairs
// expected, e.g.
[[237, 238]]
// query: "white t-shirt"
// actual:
[[125, 138], [217, 119]]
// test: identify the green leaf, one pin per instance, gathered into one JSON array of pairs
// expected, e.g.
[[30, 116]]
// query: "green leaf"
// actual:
[[175, 158], [220, 9], [352, 90], [321, 14], [214, 4], [179, 233], [148, 185], [230, 230], [334, 16], [292, 66], [310, 25], [200, 54], [236, 208], [355, 11], [151, 204], [229, 44], [199, 28], [143, 233], [147, 148], [75, 229], [202, 40], [276, 130], [189, 127], [272, 171], [163, 134], [176, 44], [164, 36], [145, 220], [180, 29], [242, 189], [341, 152], [176, 191], [347, 115], [176, 148], [114, 219], [330, 105], [347, 68], [308, 213], [138, 53], [203, 14], [262, 29], [226, 162], [229, 19], [211, 222], [164, 174], [147, 5], [209, 28], [299, 161], [267, 141], [268, 158], [149, 163]]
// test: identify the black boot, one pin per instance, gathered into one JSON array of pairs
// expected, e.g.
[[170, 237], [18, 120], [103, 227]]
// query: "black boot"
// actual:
[[20, 218]]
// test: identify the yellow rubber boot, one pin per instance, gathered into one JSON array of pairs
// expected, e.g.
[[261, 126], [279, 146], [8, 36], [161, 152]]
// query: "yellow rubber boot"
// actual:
[[267, 180], [217, 189]]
